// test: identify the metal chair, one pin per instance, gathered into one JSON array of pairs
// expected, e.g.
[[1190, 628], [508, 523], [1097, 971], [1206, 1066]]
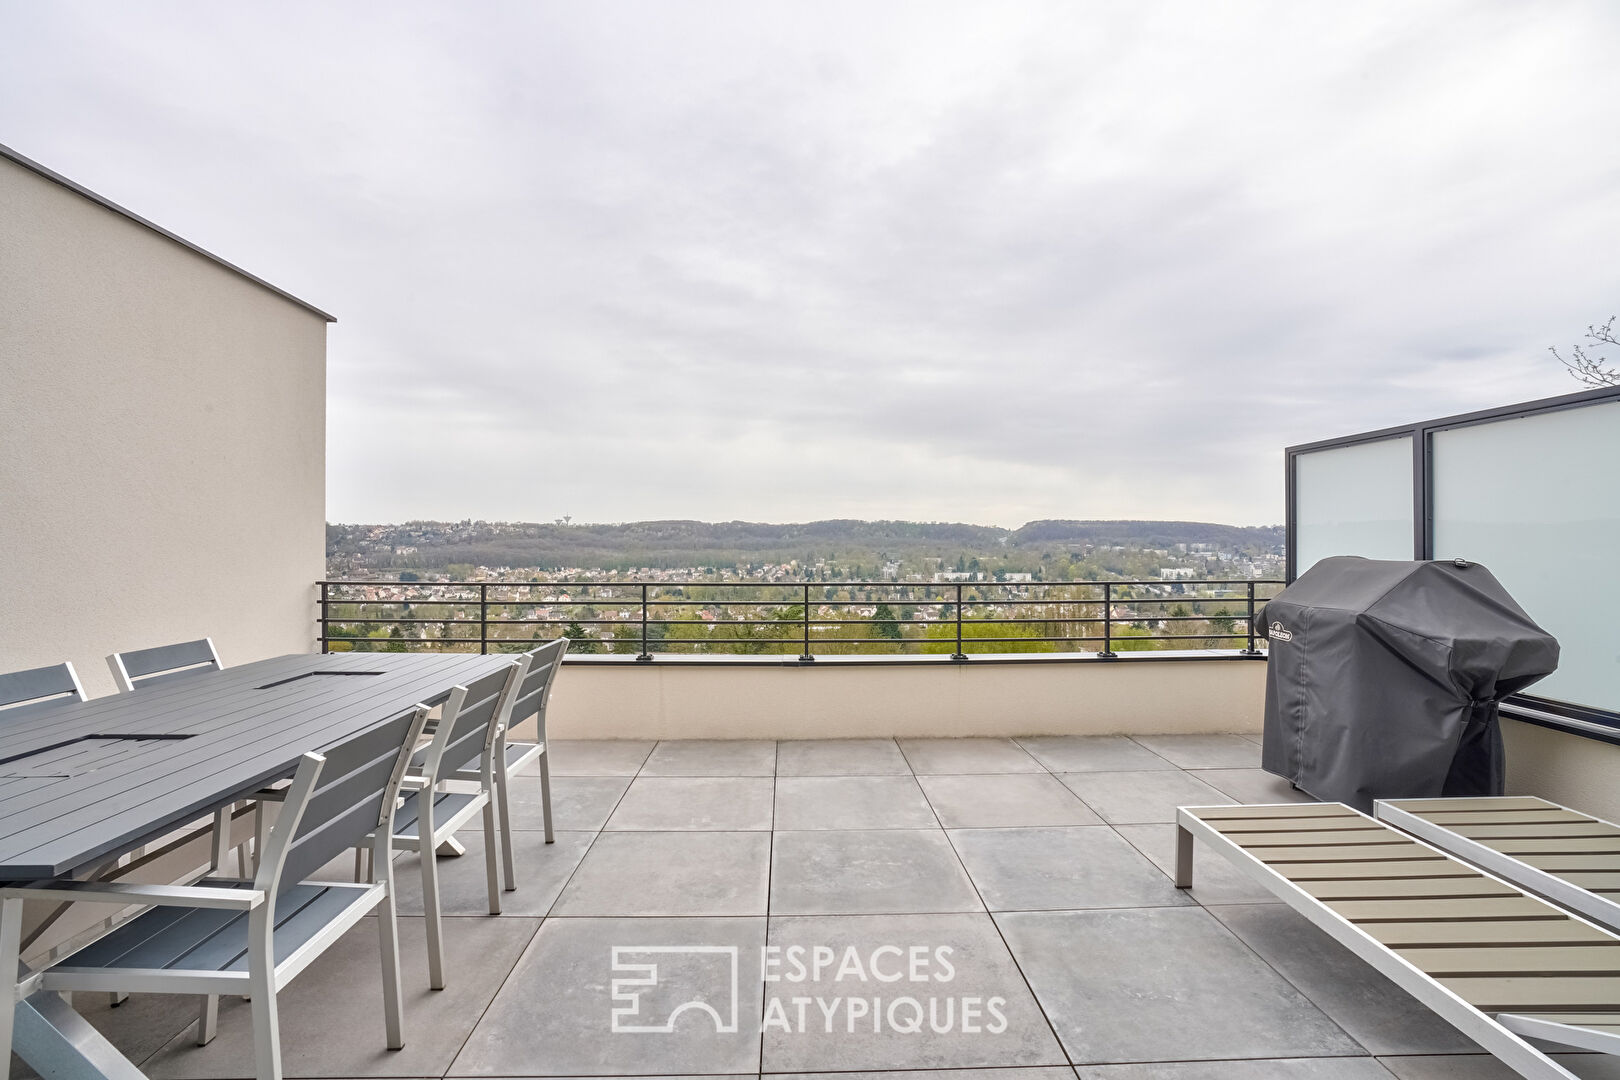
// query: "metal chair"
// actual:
[[467, 730], [144, 667], [248, 937], [58, 685], [141, 668], [534, 692]]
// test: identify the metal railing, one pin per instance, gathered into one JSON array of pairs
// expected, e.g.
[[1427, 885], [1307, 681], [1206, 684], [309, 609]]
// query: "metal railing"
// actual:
[[959, 618]]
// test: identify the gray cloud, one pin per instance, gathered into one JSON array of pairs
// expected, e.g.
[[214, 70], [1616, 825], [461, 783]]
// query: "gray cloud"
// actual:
[[784, 261]]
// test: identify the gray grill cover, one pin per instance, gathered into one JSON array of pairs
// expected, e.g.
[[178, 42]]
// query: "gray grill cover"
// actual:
[[1384, 678]]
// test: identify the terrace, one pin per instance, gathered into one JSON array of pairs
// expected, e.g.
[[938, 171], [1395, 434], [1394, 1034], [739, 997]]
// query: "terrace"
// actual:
[[931, 790], [1043, 863]]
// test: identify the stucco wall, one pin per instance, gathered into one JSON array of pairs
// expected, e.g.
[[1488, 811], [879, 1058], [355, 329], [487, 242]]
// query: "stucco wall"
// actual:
[[1577, 772], [716, 701], [162, 443]]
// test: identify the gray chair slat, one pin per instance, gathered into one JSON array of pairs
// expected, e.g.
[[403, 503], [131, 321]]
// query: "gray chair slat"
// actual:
[[105, 950], [347, 805], [469, 729], [445, 804], [533, 691], [229, 948], [167, 945], [142, 662], [36, 683]]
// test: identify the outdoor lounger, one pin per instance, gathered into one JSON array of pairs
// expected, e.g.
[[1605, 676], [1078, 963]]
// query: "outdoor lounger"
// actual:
[[1499, 964], [1569, 857]]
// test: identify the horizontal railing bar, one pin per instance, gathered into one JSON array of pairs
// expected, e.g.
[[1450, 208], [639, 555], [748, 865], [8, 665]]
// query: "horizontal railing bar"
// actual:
[[597, 583]]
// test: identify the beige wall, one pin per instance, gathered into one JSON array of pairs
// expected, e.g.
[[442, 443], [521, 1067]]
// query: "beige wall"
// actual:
[[1569, 769], [714, 701], [162, 442]]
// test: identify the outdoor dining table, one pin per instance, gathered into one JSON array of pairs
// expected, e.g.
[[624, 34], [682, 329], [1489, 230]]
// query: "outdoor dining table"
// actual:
[[83, 784]]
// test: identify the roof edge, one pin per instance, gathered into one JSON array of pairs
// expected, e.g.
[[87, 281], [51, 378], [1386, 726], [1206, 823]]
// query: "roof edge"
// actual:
[[50, 174]]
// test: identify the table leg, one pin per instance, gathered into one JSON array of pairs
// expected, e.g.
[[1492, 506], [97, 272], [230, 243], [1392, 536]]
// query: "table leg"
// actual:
[[61, 1044]]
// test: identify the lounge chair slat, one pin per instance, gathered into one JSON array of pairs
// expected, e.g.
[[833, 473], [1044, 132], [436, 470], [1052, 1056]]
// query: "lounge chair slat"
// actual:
[[1484, 907], [1486, 932], [1315, 823], [1213, 814], [1523, 960], [1371, 869], [1347, 853], [1447, 888], [1551, 829], [1487, 802], [1571, 862], [1282, 839], [1505, 817], [1541, 993]]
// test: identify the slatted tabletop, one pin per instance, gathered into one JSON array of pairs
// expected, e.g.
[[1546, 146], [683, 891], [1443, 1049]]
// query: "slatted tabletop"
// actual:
[[81, 783]]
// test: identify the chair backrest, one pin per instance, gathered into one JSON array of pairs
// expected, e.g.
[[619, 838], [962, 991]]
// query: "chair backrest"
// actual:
[[535, 689], [338, 798], [58, 683], [145, 667], [473, 719]]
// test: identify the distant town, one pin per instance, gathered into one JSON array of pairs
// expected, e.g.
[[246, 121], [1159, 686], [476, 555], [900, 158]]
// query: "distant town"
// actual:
[[824, 587]]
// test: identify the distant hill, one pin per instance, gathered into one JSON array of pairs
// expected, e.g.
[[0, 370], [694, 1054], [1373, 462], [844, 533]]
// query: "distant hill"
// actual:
[[664, 544]]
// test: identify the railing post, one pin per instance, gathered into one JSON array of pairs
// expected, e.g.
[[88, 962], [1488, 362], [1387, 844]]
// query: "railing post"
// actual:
[[323, 623], [645, 655], [806, 657], [1107, 651], [959, 654], [1251, 650], [483, 617]]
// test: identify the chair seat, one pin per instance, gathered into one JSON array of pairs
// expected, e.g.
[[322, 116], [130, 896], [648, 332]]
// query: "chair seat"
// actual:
[[214, 940], [517, 756], [449, 807]]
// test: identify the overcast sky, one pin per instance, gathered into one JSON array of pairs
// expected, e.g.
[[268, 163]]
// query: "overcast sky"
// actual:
[[987, 263]]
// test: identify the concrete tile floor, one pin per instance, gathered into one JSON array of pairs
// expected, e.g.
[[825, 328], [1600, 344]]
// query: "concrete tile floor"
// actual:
[[883, 881]]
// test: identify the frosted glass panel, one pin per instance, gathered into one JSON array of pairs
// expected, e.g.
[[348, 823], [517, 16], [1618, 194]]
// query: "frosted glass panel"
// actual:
[[1353, 500], [1537, 501]]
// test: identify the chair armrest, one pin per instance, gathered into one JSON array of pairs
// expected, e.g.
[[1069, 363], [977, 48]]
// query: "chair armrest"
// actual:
[[109, 892], [414, 783]]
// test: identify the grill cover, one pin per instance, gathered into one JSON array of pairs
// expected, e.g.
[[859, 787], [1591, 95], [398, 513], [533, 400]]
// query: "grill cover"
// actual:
[[1384, 678]]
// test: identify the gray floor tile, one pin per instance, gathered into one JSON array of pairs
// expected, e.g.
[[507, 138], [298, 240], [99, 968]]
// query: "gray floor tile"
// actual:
[[1050, 1072], [139, 1027], [595, 757], [1162, 984], [863, 872], [1251, 785], [1377, 1013], [1009, 799], [840, 757], [555, 1015], [1277, 1069], [1063, 868], [712, 803], [942, 756], [671, 873], [1483, 1067], [1092, 753], [1132, 798], [542, 870], [578, 803], [1215, 879], [979, 967], [1204, 751], [331, 1015], [712, 757], [852, 802]]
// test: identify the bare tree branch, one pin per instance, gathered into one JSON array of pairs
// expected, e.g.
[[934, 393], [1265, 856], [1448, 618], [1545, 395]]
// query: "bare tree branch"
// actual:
[[1587, 368]]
